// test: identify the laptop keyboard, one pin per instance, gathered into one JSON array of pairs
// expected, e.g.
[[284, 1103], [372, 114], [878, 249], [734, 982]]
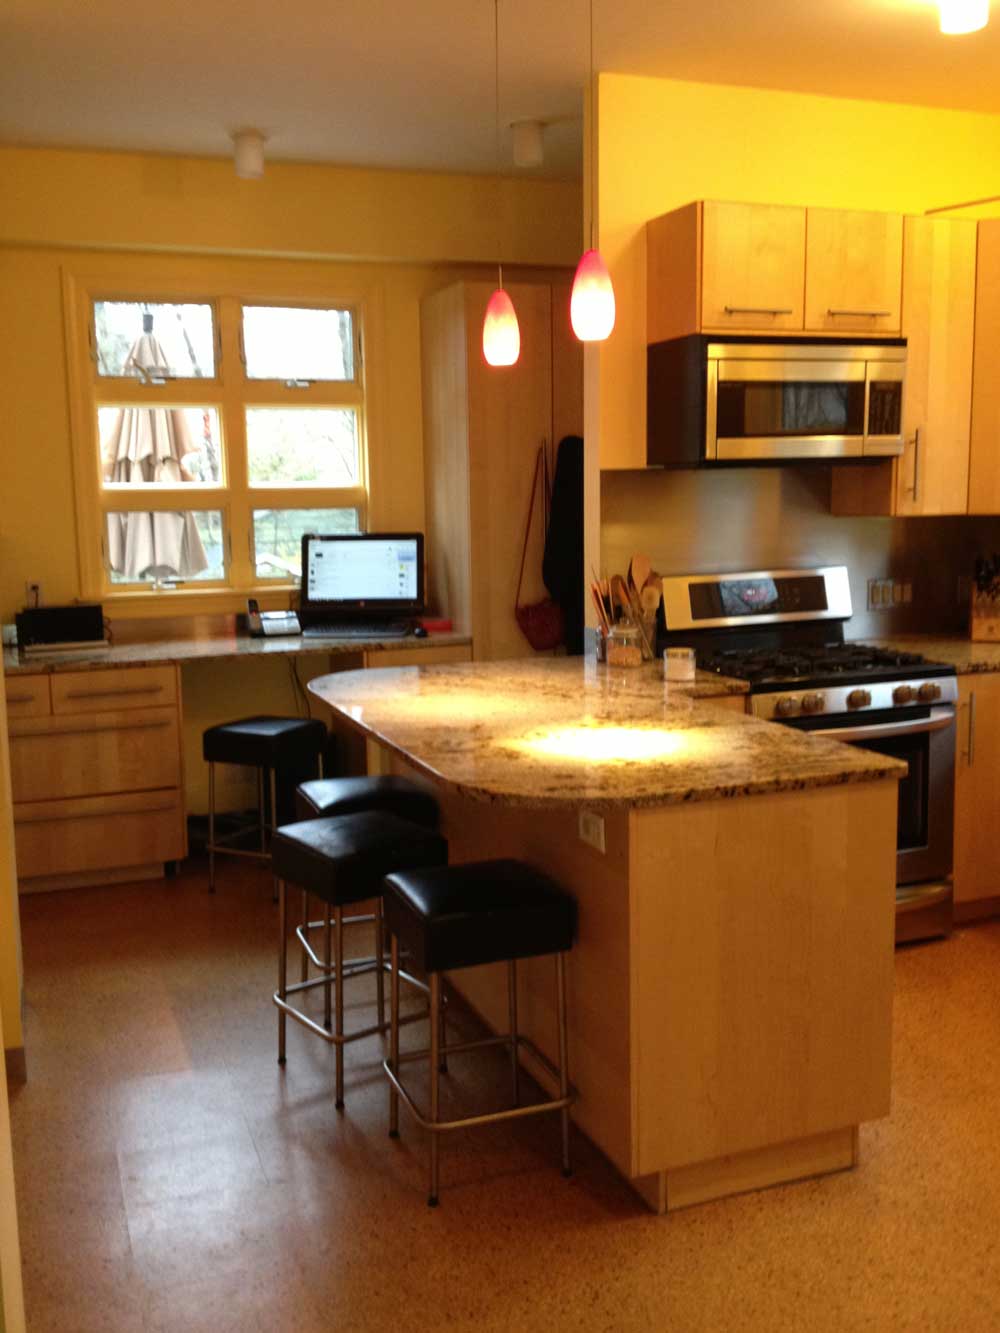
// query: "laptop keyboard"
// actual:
[[352, 629]]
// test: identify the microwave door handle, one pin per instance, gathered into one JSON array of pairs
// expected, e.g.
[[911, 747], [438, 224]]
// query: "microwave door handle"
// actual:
[[885, 730]]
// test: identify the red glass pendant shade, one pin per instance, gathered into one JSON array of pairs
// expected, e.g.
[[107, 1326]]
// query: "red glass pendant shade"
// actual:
[[592, 303], [501, 335]]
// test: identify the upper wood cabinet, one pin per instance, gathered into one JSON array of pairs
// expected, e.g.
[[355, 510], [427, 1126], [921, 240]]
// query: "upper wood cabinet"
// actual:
[[984, 458], [854, 264], [763, 268], [939, 304]]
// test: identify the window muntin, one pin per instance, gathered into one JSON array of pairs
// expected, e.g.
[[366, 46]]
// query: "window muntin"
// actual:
[[302, 446], [298, 344], [277, 536], [159, 446], [154, 340], [164, 545]]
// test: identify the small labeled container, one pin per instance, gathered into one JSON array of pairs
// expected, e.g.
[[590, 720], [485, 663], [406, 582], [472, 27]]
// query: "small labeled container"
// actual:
[[624, 645], [679, 664]]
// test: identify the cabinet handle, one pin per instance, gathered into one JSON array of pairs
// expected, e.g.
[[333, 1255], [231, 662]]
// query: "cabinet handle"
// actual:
[[916, 463], [120, 690], [756, 310], [971, 754], [20, 698], [862, 314], [92, 731]]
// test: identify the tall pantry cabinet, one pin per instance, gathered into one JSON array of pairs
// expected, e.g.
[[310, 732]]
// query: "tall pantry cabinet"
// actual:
[[482, 429]]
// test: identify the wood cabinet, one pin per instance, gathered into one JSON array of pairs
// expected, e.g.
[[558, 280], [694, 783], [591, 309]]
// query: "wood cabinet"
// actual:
[[853, 271], [939, 316], [482, 429], [977, 797], [984, 458], [96, 774], [763, 268]]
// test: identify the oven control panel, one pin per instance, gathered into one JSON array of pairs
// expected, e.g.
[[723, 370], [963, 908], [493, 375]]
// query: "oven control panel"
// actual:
[[783, 705]]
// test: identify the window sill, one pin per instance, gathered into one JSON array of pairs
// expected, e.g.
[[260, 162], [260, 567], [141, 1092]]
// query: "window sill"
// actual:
[[191, 601]]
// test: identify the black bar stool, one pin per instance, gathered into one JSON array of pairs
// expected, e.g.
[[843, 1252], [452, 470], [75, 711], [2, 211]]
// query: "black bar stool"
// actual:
[[267, 744], [452, 917], [342, 861], [323, 798]]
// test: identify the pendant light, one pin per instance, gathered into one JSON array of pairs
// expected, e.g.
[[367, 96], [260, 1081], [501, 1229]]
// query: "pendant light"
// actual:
[[501, 335], [961, 16], [592, 303]]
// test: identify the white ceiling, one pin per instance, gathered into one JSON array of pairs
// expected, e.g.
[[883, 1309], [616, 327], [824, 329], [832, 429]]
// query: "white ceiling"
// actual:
[[396, 84]]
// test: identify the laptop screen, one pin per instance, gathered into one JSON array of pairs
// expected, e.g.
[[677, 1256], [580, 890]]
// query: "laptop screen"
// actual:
[[381, 572]]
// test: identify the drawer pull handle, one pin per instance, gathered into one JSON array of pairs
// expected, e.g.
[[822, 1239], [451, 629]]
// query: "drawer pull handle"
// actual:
[[756, 310], [20, 698], [111, 726], [121, 690], [98, 814], [862, 314]]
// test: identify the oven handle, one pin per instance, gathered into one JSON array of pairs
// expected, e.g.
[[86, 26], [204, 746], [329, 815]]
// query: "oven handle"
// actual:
[[881, 730]]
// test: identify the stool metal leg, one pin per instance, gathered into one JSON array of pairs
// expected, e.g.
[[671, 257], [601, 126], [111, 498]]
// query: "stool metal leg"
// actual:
[[305, 932], [261, 821], [435, 1054], [512, 1026], [339, 1005], [211, 828], [379, 961], [563, 1059], [327, 997], [274, 814], [282, 965], [394, 1035]]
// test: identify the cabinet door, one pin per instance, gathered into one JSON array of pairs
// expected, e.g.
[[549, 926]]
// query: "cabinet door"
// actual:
[[977, 790], [510, 415], [939, 302], [984, 459], [854, 268], [753, 266]]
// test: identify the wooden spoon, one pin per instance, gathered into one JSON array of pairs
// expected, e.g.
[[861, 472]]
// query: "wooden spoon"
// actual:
[[638, 570]]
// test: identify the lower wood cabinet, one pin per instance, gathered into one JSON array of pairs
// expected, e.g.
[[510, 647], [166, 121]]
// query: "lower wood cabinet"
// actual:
[[977, 797], [96, 774]]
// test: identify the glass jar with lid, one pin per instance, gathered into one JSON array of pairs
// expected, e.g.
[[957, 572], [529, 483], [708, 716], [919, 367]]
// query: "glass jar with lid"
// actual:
[[624, 645]]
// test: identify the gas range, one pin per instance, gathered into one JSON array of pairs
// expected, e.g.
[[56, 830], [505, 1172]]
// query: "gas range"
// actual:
[[783, 632]]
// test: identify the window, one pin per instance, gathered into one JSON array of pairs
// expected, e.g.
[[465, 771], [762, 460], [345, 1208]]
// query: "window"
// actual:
[[216, 431]]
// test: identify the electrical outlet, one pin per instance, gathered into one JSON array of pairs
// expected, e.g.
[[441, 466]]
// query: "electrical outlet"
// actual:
[[32, 594], [592, 830]]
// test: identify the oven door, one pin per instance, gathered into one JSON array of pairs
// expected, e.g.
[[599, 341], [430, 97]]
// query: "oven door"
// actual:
[[925, 817]]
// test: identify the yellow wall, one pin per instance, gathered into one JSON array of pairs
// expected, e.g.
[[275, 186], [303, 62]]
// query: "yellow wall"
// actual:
[[664, 143]]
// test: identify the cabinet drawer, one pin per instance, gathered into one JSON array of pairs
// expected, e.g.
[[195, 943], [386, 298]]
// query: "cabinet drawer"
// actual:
[[69, 837], [121, 687], [28, 696], [93, 754]]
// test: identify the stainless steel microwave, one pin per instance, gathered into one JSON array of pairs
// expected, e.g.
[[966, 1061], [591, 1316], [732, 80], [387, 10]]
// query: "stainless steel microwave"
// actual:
[[748, 400]]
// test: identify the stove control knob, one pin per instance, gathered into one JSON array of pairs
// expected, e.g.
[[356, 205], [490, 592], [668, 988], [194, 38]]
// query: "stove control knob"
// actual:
[[928, 692], [813, 703], [902, 694], [859, 699], [785, 707]]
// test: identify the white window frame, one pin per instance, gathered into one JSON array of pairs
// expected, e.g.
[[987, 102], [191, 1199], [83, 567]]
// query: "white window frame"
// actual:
[[230, 392]]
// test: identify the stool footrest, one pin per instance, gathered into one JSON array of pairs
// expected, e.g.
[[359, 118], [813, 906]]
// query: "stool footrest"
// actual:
[[467, 1122], [332, 1038]]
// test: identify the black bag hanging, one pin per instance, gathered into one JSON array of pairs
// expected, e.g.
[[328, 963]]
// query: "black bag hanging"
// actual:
[[562, 564]]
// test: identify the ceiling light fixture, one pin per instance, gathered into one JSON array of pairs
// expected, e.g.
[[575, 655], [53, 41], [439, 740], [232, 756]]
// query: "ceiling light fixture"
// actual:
[[592, 302], [501, 335], [248, 154], [961, 16], [528, 143]]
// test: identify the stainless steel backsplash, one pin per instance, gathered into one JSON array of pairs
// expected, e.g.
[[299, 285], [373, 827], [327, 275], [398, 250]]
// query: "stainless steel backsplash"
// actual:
[[759, 518]]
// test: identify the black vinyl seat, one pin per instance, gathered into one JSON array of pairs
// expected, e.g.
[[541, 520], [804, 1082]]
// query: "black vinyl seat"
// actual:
[[390, 793], [450, 917], [341, 860], [289, 745]]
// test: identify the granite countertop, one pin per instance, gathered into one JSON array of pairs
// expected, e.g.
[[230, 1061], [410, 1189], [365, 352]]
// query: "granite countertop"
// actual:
[[965, 656], [160, 652], [557, 732]]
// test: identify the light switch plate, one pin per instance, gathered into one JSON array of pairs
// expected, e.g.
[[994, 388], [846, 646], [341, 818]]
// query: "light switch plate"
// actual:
[[592, 830]]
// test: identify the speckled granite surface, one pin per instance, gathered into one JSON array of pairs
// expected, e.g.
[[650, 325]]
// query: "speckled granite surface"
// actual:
[[559, 732], [158, 652], [965, 656]]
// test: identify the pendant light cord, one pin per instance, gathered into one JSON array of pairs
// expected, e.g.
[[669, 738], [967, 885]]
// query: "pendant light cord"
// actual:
[[593, 131], [496, 134]]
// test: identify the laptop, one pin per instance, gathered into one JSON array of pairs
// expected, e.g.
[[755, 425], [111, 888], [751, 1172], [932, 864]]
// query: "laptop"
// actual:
[[361, 585]]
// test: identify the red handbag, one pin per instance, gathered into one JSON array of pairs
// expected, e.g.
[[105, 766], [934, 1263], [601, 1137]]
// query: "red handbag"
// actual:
[[541, 623]]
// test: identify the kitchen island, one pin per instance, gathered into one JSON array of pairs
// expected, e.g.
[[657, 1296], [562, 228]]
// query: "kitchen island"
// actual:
[[731, 984]]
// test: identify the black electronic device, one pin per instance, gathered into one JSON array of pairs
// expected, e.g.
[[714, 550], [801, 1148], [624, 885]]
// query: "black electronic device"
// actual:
[[361, 581], [50, 628]]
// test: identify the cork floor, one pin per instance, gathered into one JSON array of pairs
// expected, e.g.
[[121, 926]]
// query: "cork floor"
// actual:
[[171, 1178]]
